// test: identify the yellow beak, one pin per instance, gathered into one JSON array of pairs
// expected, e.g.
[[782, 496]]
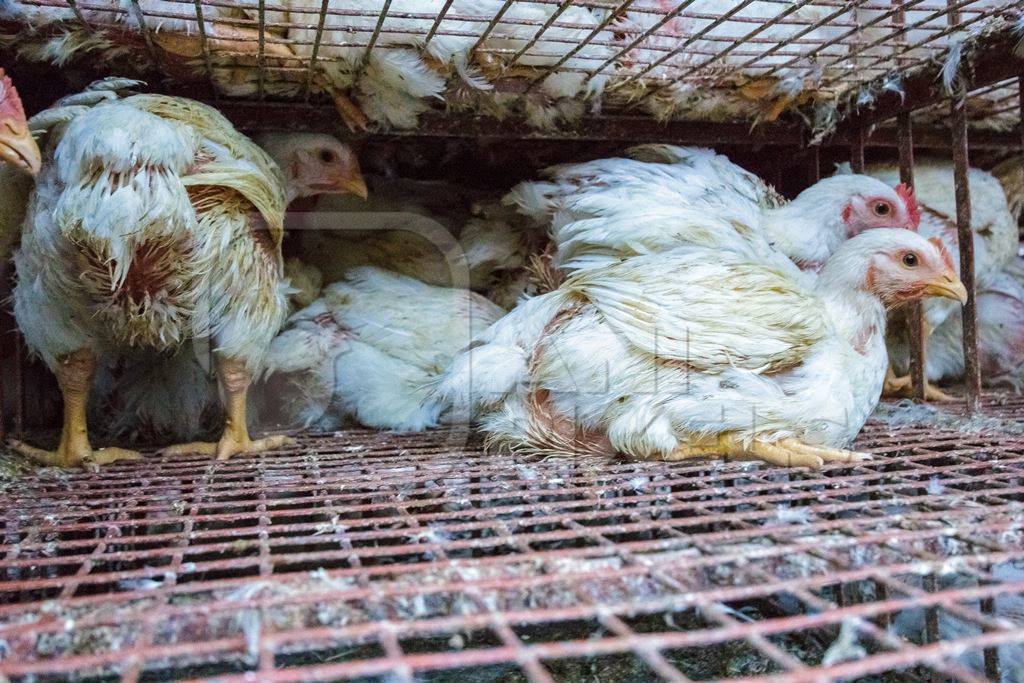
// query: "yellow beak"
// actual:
[[354, 184], [18, 148], [949, 287]]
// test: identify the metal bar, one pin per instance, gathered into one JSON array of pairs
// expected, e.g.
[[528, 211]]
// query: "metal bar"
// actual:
[[273, 116], [838, 39], [618, 11], [376, 30], [814, 164], [78, 14], [311, 69], [994, 61], [18, 386], [857, 145], [261, 56], [490, 27], [697, 36], [552, 18], [965, 237], [669, 16], [205, 46], [917, 24], [915, 319], [147, 36], [437, 23]]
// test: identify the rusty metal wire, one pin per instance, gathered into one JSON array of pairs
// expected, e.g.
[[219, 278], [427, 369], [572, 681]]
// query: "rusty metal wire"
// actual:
[[368, 554], [831, 45]]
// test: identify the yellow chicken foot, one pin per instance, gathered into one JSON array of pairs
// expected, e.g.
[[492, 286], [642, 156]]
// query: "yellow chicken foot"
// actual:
[[903, 387], [234, 381], [348, 110], [74, 375], [784, 452]]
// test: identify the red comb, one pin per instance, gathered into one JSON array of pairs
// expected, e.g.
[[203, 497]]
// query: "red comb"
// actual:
[[10, 102], [906, 193]]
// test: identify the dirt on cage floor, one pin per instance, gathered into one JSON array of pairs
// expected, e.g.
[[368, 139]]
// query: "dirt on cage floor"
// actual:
[[363, 555]]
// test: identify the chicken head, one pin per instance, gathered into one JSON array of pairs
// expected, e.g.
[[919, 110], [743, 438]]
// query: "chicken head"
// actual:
[[907, 269], [890, 208], [315, 163], [17, 147]]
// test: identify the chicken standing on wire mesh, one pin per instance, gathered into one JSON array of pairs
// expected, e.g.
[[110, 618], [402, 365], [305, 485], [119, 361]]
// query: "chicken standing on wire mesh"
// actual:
[[153, 224], [698, 352], [368, 350], [995, 246], [660, 196]]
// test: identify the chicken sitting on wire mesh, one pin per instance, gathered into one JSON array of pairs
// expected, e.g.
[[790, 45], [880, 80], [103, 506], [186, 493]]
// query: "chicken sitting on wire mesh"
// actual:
[[368, 350], [660, 196], [437, 232], [153, 224], [19, 163], [995, 245], [698, 352]]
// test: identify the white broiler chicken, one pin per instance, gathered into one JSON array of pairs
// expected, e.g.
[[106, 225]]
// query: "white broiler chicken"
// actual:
[[531, 39], [399, 78], [486, 253], [19, 163], [699, 352], [368, 349], [682, 48], [661, 196], [154, 224], [995, 244]]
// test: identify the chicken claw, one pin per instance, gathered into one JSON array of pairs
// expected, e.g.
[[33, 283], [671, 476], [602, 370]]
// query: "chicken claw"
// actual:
[[784, 452], [228, 446], [903, 387], [234, 378], [66, 456]]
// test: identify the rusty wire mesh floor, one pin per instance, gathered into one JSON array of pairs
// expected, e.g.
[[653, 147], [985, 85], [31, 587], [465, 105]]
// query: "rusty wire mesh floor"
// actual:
[[388, 557]]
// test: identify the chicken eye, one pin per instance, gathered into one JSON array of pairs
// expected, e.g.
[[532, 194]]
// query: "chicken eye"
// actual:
[[882, 209], [327, 156], [910, 259]]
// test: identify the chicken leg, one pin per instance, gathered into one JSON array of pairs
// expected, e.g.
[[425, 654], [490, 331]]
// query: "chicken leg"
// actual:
[[74, 375], [903, 387], [784, 452], [234, 378]]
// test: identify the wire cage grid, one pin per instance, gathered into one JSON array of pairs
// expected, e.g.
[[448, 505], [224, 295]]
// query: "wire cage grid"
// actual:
[[361, 555], [366, 555], [759, 39]]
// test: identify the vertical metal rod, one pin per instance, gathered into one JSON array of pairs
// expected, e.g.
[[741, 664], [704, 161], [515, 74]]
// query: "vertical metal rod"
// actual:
[[311, 69], [436, 24], [261, 56], [205, 44], [18, 388], [1020, 110], [915, 320], [814, 165], [857, 147], [972, 372], [990, 654], [4, 358]]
